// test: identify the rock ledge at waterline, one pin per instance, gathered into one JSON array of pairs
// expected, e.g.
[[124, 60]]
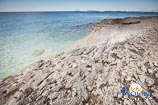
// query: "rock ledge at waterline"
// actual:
[[117, 53]]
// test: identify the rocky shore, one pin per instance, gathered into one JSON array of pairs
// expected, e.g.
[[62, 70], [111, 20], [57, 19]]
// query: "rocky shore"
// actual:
[[117, 53]]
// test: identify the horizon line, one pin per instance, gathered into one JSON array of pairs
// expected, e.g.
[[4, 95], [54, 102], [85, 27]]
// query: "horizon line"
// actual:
[[82, 11]]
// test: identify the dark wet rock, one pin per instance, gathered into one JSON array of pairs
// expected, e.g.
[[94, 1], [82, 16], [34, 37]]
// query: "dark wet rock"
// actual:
[[38, 52]]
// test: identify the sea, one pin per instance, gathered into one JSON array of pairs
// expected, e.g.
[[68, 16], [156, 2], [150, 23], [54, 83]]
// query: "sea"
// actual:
[[26, 37]]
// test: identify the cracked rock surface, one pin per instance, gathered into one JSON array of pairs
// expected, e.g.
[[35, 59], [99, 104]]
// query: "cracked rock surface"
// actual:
[[117, 53]]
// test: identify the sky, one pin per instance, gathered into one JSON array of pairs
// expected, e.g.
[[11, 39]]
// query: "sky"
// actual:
[[78, 5]]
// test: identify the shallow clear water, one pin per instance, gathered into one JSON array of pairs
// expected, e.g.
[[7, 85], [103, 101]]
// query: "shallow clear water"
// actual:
[[28, 37]]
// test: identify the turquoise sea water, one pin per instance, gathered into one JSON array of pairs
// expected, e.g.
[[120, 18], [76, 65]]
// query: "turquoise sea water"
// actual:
[[28, 37]]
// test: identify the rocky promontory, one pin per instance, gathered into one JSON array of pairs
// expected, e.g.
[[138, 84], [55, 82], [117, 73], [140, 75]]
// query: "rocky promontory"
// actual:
[[118, 52]]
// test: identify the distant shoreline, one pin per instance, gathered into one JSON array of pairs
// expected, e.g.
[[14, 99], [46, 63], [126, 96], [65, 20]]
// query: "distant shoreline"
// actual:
[[90, 11]]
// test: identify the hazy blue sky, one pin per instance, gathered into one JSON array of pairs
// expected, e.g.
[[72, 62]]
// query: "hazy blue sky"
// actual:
[[69, 5]]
